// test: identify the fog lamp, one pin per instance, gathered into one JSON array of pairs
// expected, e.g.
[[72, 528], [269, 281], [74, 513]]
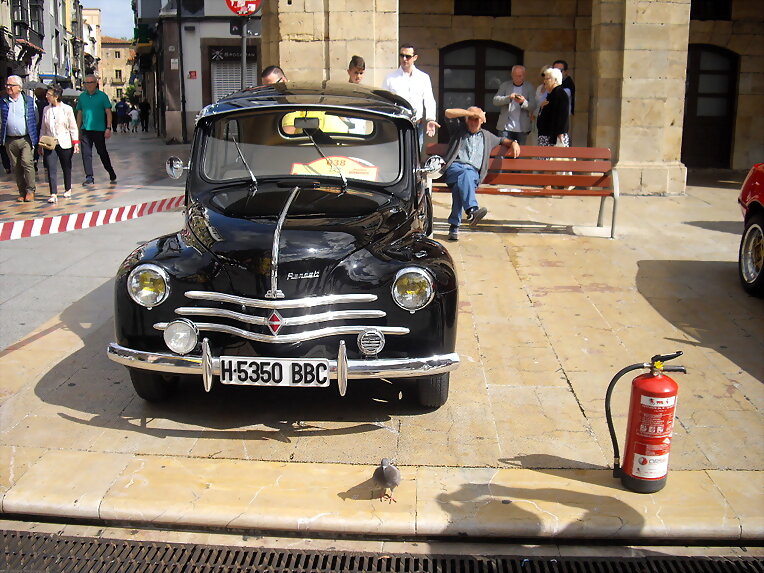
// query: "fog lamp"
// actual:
[[181, 336]]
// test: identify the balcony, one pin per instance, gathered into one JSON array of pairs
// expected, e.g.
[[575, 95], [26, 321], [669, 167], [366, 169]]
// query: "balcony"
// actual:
[[117, 82]]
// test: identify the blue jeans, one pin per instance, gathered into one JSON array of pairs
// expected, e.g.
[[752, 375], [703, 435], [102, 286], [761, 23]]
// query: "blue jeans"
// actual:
[[519, 136], [463, 181]]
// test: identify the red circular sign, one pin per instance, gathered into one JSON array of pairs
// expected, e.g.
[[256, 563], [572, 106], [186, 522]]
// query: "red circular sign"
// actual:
[[244, 7]]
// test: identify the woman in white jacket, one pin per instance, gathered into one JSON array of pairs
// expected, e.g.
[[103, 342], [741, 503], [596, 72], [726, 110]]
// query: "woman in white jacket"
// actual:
[[58, 121]]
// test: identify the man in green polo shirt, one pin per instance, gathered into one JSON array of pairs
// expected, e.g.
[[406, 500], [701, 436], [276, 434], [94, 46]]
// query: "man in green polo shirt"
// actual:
[[94, 123]]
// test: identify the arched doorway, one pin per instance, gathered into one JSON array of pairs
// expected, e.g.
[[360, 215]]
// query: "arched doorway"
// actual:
[[471, 73], [709, 107]]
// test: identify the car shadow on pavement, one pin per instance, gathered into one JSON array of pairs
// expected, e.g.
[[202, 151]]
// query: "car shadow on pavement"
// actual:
[[704, 300], [731, 227], [95, 393]]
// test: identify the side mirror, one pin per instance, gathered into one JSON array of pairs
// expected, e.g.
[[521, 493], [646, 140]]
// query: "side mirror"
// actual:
[[174, 167], [433, 167]]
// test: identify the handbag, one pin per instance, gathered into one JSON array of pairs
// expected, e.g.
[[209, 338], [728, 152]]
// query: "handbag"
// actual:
[[48, 142]]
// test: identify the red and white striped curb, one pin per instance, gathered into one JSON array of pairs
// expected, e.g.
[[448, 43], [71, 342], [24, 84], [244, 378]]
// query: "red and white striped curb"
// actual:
[[61, 223]]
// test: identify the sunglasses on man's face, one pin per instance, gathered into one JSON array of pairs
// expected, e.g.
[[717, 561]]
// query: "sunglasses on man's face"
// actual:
[[406, 56]]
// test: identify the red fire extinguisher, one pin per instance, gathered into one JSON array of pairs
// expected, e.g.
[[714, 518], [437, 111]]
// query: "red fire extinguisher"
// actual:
[[650, 425]]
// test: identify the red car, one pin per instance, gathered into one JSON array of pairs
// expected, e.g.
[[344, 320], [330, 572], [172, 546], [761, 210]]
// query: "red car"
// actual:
[[751, 257]]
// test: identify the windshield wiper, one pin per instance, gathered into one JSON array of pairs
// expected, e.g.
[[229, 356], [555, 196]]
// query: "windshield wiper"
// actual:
[[309, 133], [253, 186]]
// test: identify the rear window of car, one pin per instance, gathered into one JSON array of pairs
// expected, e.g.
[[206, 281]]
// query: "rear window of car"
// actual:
[[302, 142]]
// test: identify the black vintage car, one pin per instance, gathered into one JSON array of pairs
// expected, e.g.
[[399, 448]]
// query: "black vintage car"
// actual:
[[304, 260]]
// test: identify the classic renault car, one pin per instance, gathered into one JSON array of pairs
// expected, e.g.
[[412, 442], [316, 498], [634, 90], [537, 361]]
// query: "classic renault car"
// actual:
[[304, 260]]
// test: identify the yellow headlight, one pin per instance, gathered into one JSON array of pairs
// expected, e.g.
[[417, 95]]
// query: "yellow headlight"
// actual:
[[412, 289], [148, 285]]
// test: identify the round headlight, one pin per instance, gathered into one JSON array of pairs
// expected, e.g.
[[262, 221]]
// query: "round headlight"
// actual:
[[412, 289], [181, 336], [148, 285]]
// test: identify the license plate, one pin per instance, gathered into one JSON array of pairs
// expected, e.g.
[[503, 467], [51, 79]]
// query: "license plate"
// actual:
[[284, 372]]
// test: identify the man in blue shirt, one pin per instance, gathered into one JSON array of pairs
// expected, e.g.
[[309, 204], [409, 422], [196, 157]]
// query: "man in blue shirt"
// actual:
[[19, 134], [94, 123]]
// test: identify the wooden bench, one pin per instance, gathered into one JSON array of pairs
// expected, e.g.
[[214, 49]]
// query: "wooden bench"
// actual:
[[584, 172]]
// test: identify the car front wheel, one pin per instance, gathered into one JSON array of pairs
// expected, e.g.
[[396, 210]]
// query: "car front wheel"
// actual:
[[751, 256], [153, 386], [432, 391]]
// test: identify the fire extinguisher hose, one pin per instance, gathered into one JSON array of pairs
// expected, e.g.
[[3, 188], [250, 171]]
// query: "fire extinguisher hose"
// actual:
[[609, 415]]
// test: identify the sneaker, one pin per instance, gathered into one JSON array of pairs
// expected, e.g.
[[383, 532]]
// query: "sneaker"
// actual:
[[68, 193], [113, 179], [476, 215], [453, 233], [88, 181]]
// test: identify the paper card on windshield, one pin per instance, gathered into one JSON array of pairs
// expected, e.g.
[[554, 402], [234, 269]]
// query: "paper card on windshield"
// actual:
[[351, 167]]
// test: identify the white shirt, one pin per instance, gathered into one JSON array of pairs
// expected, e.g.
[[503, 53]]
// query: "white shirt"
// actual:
[[416, 88]]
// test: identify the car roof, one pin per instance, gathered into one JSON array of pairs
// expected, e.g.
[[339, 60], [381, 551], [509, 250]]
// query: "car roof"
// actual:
[[313, 94]]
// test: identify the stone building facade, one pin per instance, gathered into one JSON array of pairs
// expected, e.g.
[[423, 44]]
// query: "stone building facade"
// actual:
[[629, 58], [116, 66]]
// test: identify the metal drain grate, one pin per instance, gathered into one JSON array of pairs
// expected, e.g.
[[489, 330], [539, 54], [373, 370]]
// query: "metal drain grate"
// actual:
[[31, 552]]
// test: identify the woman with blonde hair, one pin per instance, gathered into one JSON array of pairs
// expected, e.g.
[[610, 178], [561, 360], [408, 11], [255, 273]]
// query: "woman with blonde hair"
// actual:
[[554, 113], [58, 121]]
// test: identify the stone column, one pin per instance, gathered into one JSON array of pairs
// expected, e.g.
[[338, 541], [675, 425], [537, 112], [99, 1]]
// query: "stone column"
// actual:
[[639, 60], [313, 40]]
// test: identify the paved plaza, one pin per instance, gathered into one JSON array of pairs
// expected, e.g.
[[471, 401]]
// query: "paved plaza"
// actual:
[[520, 450]]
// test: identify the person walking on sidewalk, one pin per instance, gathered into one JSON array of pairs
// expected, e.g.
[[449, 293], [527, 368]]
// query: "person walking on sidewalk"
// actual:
[[94, 120], [469, 151], [19, 134], [58, 121]]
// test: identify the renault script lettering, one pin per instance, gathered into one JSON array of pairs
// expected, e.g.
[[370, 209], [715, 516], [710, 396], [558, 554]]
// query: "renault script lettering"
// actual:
[[310, 275]]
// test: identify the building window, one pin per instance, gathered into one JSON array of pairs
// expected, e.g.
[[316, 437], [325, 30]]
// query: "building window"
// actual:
[[116, 54], [119, 93], [482, 8], [471, 73], [118, 75], [711, 10]]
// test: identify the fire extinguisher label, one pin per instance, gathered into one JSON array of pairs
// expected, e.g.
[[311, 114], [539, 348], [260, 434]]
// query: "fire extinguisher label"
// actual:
[[656, 418], [653, 402], [650, 467]]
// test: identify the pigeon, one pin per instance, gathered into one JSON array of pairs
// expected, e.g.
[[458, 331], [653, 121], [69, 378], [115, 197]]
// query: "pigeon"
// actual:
[[387, 476]]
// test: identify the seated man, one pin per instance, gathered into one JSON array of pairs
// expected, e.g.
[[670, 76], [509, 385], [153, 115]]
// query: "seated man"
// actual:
[[467, 158]]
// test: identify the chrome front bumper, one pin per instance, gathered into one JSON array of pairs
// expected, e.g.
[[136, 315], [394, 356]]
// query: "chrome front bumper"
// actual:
[[340, 369]]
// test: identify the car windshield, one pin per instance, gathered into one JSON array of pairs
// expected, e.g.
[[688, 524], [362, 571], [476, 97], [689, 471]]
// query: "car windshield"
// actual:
[[294, 142]]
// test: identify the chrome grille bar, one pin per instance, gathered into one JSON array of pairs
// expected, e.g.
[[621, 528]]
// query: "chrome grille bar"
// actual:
[[279, 304], [291, 338], [286, 321]]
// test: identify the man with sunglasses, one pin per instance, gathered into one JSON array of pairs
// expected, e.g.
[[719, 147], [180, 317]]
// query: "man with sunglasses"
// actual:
[[414, 85], [94, 120], [19, 134]]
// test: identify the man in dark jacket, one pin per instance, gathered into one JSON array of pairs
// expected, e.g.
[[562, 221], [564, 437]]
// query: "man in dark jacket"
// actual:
[[19, 134], [469, 151]]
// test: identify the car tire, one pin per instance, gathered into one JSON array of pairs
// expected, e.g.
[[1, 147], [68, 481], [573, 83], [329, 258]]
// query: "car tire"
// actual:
[[428, 215], [153, 386], [432, 391], [751, 256]]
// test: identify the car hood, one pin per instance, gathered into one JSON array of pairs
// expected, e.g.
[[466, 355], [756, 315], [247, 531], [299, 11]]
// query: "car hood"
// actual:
[[310, 244]]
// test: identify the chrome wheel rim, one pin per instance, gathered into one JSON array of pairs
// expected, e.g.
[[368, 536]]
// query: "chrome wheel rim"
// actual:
[[752, 253]]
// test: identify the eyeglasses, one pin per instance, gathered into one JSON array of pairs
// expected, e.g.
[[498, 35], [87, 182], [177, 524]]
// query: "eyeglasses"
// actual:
[[12, 85], [406, 56], [90, 82]]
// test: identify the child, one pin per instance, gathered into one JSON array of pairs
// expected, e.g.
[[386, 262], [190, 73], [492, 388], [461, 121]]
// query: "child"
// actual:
[[135, 119]]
